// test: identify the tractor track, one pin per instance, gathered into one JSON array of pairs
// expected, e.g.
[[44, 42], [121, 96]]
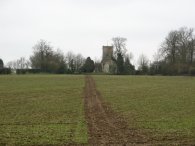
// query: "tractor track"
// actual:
[[105, 127]]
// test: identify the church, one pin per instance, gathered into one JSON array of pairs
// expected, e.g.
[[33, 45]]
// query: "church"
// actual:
[[107, 63]]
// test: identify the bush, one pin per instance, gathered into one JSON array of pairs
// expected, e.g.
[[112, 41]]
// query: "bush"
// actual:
[[138, 72], [30, 71], [89, 66], [192, 71], [5, 71]]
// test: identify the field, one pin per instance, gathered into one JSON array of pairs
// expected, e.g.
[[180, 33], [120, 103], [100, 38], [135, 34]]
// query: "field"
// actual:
[[164, 106], [42, 109], [98, 109]]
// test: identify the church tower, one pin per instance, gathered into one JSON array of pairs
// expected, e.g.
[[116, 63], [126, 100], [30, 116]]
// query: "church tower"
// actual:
[[107, 61]]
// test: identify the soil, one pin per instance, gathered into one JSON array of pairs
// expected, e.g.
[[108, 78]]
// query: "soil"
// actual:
[[106, 127]]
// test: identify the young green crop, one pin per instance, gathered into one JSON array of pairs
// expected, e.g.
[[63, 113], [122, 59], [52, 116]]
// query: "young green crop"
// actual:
[[165, 105], [42, 110]]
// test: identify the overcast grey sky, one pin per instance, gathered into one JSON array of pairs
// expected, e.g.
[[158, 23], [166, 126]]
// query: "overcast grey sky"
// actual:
[[84, 26]]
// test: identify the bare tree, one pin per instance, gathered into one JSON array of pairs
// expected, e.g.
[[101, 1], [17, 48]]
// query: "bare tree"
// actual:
[[178, 46], [21, 63], [42, 54], [157, 56], [170, 47], [10, 65], [70, 57], [47, 59], [177, 51], [119, 44], [192, 50], [143, 63], [79, 62], [185, 37], [129, 56]]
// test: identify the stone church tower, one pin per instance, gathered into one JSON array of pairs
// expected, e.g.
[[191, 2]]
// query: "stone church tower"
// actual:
[[107, 61]]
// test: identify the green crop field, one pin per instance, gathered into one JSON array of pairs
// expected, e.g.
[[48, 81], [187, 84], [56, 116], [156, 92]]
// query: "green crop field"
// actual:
[[49, 109], [42, 110], [164, 105]]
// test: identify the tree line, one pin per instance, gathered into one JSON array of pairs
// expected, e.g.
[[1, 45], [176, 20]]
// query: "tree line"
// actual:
[[45, 59], [176, 56]]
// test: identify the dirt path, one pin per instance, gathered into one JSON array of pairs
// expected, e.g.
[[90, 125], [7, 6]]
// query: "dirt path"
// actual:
[[105, 126]]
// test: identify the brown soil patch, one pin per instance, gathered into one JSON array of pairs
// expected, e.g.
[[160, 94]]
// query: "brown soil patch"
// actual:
[[105, 126]]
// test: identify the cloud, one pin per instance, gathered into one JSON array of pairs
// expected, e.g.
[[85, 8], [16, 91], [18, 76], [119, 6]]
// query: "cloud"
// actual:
[[85, 25]]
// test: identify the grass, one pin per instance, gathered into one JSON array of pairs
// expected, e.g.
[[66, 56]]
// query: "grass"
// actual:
[[42, 110], [48, 109], [165, 105]]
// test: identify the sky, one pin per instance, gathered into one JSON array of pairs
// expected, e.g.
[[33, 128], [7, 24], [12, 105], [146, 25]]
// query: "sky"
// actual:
[[84, 26]]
